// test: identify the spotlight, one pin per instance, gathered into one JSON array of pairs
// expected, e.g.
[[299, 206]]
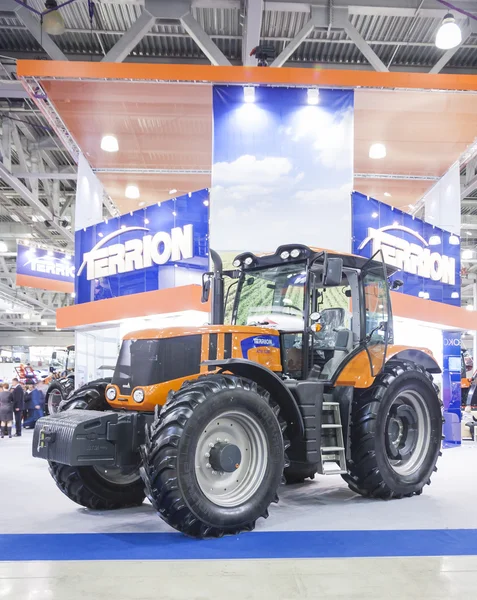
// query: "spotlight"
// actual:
[[132, 192], [377, 151], [109, 143], [466, 254], [173, 191], [454, 240], [455, 295], [53, 22], [449, 34], [44, 323], [434, 240], [313, 96], [374, 215], [469, 307], [249, 94]]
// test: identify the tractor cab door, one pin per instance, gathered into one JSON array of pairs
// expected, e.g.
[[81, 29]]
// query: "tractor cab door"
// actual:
[[376, 313]]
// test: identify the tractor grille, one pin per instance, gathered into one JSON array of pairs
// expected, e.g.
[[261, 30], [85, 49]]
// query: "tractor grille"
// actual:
[[148, 362]]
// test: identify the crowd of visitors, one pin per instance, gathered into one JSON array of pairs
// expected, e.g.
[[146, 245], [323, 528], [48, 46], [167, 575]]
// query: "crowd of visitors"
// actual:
[[22, 404]]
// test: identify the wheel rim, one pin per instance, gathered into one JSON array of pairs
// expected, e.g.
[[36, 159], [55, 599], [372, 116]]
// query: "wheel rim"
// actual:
[[233, 434], [117, 475], [54, 399], [407, 433]]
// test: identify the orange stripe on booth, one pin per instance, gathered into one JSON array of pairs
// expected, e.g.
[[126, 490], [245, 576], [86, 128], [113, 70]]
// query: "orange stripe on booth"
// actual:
[[171, 300], [42, 283], [271, 76], [449, 316]]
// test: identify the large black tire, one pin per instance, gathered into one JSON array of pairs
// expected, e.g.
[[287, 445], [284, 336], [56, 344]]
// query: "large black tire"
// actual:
[[169, 456], [297, 472], [57, 393], [89, 486], [370, 467]]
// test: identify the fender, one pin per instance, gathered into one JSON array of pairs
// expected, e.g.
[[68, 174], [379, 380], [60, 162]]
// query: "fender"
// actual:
[[420, 357], [271, 382]]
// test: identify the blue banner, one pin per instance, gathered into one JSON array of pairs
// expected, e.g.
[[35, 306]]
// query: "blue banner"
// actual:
[[161, 246], [451, 390], [45, 269], [427, 257]]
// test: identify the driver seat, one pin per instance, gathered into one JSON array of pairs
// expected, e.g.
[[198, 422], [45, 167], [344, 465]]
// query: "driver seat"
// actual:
[[333, 337]]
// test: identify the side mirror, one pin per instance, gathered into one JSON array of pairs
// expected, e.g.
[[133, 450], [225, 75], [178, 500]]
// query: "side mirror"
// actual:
[[205, 288], [333, 272], [397, 283]]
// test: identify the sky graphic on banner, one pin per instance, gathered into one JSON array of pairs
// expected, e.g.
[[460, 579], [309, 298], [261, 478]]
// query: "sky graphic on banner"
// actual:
[[282, 169]]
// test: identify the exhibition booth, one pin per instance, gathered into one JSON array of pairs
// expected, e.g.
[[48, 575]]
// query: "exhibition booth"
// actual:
[[247, 160]]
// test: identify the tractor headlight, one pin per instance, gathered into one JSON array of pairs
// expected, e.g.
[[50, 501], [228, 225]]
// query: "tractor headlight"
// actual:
[[284, 255], [248, 260], [236, 263], [138, 396], [295, 253], [111, 393]]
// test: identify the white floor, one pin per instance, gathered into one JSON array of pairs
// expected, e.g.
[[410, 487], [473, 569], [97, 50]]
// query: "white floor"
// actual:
[[31, 503]]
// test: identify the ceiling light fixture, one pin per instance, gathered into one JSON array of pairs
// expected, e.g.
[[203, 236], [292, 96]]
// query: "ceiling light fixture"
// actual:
[[173, 191], [44, 323], [109, 143], [469, 307], [53, 22], [73, 294], [132, 192], [466, 254], [468, 232], [50, 253], [455, 295], [387, 194], [142, 203], [313, 96], [449, 34], [3, 247], [377, 151], [26, 316], [249, 94], [434, 240]]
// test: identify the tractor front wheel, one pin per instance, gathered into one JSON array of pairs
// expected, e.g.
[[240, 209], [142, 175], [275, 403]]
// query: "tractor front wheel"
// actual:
[[96, 487], [215, 457], [395, 432]]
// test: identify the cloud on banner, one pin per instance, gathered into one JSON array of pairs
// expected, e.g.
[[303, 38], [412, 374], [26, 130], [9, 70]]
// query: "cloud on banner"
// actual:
[[282, 170]]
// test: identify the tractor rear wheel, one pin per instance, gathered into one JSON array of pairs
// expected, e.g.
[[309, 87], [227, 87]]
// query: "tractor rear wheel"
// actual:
[[396, 432], [95, 487], [215, 457]]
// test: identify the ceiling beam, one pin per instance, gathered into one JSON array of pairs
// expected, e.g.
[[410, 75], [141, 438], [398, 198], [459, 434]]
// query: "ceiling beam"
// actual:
[[34, 27], [469, 187], [213, 53], [251, 30], [342, 20], [290, 48], [61, 175], [14, 294], [131, 38]]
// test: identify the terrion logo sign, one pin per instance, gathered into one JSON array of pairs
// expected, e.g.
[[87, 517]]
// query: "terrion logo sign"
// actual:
[[138, 253], [411, 257], [51, 265]]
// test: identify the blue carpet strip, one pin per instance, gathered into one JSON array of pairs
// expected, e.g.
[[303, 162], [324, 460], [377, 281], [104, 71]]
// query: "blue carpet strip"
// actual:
[[283, 544]]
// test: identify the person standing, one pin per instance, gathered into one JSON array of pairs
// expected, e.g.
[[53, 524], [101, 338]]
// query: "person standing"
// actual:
[[38, 402], [6, 411], [27, 403], [18, 405]]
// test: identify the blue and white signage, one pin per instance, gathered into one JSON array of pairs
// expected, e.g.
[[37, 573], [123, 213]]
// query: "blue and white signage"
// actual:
[[164, 245], [45, 269], [427, 257]]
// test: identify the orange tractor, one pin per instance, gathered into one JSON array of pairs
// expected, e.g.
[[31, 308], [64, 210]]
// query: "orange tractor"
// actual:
[[207, 422]]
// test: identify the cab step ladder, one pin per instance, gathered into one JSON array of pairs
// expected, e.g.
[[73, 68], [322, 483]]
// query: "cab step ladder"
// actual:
[[333, 457]]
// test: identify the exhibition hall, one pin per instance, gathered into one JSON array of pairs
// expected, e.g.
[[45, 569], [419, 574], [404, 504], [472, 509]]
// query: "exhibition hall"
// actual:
[[238, 299]]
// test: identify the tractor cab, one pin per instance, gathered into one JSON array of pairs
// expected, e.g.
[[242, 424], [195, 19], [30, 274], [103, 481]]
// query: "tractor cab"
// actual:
[[325, 306]]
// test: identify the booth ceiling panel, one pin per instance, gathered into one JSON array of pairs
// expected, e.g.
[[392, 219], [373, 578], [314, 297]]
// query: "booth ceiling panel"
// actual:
[[153, 188], [424, 133], [403, 192], [157, 125]]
